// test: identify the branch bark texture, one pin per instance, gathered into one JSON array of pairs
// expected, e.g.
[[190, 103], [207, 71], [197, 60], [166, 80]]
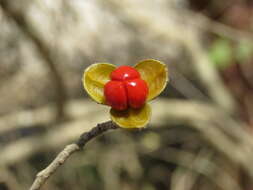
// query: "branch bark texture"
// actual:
[[60, 159]]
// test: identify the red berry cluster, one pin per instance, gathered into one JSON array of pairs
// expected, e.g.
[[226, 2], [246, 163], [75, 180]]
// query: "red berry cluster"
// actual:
[[125, 89]]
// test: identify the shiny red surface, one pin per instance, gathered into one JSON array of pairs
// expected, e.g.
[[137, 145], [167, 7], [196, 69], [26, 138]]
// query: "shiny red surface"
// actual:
[[125, 73], [126, 89], [137, 91], [115, 95]]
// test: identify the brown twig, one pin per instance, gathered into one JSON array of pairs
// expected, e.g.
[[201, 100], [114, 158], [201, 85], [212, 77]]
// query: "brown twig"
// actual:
[[43, 50], [43, 175]]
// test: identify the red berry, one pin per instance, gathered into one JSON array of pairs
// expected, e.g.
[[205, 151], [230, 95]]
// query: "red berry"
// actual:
[[115, 95], [126, 89], [125, 73], [137, 91]]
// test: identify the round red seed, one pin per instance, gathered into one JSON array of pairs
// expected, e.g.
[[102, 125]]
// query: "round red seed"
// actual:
[[126, 89], [115, 95], [137, 91], [125, 73]]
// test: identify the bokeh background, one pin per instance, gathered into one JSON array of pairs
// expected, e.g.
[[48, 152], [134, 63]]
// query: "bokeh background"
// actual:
[[200, 135]]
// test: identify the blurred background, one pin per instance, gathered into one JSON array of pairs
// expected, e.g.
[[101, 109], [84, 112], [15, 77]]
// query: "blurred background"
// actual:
[[200, 135]]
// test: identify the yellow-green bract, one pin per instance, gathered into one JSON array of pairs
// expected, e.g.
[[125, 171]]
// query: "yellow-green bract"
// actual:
[[154, 72]]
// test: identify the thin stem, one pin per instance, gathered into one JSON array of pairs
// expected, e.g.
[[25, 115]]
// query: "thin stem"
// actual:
[[60, 159]]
